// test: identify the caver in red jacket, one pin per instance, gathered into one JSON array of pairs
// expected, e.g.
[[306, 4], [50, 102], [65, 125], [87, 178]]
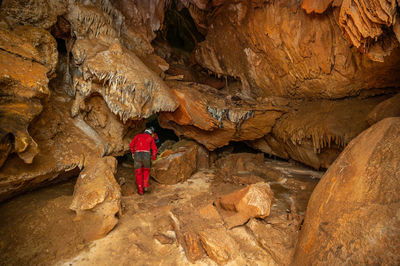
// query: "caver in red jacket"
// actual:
[[141, 147], [144, 142]]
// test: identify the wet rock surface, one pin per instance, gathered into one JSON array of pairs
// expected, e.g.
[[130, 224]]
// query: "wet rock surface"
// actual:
[[352, 216]]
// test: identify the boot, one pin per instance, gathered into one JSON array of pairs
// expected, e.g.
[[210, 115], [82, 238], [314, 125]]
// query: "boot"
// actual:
[[146, 175], [139, 180]]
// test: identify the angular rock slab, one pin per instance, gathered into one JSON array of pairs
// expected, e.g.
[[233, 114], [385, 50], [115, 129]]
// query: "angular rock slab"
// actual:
[[249, 202], [353, 214], [97, 198], [176, 165]]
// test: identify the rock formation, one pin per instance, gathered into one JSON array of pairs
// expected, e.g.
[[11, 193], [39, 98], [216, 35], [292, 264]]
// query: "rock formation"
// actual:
[[387, 108], [214, 118], [294, 79], [178, 163], [253, 201], [353, 213], [97, 198], [28, 57]]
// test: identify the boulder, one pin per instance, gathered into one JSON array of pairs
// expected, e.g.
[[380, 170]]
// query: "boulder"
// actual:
[[353, 213], [387, 108], [177, 164], [97, 198], [250, 202]]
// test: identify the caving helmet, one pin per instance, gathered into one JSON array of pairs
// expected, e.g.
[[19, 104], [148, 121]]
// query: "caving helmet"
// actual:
[[148, 131]]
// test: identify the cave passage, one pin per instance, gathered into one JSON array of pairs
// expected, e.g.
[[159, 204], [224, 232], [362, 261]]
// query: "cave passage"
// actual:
[[163, 133]]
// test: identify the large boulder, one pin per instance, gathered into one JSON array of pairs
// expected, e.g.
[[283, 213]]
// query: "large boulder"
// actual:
[[250, 202], [178, 163], [353, 213], [97, 198]]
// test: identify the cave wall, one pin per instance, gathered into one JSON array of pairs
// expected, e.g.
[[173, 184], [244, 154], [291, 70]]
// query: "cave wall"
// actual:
[[296, 79]]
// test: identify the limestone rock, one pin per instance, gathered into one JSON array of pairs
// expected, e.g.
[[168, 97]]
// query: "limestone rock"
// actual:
[[252, 201], [353, 213], [387, 108], [177, 165], [188, 238], [364, 24], [65, 144], [209, 212], [277, 237], [214, 118], [315, 132], [115, 134], [38, 13], [317, 63], [97, 197], [27, 55], [104, 66], [317, 6], [217, 245]]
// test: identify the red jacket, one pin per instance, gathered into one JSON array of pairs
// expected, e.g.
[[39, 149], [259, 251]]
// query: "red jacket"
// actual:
[[144, 142]]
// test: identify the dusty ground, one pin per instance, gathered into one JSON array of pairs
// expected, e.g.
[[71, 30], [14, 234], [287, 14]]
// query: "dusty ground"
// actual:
[[37, 228]]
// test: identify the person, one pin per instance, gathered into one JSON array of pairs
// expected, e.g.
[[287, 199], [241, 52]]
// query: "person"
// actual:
[[143, 149]]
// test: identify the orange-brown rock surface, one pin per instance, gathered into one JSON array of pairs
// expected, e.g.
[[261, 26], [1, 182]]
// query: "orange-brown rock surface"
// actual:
[[353, 214], [253, 201], [315, 132], [97, 198], [387, 108], [275, 48], [214, 118], [178, 163], [28, 58]]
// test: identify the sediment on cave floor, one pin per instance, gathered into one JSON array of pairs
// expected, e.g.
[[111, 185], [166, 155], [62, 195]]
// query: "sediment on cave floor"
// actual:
[[278, 124]]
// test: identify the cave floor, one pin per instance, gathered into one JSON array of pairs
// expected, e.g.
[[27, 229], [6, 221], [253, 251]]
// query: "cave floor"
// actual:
[[37, 228]]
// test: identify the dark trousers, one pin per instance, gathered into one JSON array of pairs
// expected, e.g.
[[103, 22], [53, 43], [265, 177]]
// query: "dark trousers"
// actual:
[[142, 170]]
